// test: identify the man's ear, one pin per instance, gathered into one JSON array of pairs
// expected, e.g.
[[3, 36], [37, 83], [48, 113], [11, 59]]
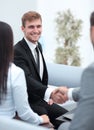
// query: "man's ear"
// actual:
[[22, 28]]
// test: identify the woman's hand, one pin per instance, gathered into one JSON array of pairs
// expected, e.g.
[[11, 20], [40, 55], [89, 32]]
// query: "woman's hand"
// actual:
[[45, 119]]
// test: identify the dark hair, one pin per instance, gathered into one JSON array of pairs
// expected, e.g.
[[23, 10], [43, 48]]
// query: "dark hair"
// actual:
[[92, 19], [30, 16], [6, 55]]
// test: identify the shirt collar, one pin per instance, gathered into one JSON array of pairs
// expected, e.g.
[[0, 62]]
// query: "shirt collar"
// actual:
[[30, 44]]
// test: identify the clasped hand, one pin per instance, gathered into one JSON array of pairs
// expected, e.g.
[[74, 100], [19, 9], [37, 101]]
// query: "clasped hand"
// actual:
[[59, 95]]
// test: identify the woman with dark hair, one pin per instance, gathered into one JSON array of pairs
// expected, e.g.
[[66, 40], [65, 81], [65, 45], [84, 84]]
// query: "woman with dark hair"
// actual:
[[13, 93]]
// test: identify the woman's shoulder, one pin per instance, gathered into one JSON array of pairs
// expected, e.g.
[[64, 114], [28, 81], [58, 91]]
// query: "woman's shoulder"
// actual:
[[15, 69]]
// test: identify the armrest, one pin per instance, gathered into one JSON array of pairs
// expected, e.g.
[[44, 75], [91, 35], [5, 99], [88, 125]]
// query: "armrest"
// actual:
[[11, 124]]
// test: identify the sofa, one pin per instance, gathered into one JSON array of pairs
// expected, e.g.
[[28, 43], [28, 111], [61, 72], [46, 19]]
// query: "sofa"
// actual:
[[58, 75], [65, 75]]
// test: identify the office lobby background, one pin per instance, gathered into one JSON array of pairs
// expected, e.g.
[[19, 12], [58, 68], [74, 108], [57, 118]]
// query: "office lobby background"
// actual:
[[11, 12]]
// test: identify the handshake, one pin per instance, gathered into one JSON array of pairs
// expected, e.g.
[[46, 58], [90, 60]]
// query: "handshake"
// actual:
[[59, 95]]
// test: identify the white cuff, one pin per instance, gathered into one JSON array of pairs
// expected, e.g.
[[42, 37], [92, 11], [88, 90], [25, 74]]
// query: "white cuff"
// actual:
[[41, 120], [70, 93], [48, 92]]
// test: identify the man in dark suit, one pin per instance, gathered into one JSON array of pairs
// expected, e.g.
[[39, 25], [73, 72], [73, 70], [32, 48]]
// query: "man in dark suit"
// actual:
[[84, 115], [41, 95]]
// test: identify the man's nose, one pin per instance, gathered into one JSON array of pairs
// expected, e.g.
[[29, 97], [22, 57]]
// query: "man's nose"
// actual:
[[35, 28]]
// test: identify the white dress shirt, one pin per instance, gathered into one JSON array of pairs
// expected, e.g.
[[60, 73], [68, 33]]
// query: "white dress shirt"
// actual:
[[50, 88], [17, 99]]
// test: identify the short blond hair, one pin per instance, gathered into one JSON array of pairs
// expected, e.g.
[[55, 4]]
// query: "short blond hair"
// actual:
[[30, 16]]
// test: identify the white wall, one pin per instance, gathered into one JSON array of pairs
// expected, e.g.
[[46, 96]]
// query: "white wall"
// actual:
[[81, 9], [11, 11]]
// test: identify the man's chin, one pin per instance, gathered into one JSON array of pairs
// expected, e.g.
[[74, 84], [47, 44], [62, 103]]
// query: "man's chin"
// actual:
[[33, 41]]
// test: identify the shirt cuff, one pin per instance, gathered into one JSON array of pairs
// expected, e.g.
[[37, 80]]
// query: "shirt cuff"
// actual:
[[70, 97], [41, 120], [48, 92]]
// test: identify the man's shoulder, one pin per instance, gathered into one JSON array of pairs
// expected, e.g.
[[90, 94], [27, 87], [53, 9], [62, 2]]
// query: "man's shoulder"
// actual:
[[91, 65], [89, 68], [14, 69], [88, 72], [18, 43]]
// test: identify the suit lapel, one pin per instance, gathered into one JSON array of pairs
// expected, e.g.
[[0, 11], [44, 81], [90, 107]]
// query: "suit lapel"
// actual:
[[30, 55], [45, 73]]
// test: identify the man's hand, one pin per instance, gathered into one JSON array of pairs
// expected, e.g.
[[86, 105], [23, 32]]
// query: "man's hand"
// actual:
[[63, 90], [50, 102], [59, 95], [45, 119]]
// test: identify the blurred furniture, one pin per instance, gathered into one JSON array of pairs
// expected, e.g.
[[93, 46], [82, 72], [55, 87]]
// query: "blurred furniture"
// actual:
[[60, 74], [65, 75], [12, 124]]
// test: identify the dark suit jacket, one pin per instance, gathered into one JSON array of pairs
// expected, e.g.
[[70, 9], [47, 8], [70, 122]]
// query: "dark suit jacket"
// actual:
[[23, 58]]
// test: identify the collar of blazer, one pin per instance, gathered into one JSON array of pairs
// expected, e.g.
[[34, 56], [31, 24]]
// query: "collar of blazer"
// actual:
[[29, 54]]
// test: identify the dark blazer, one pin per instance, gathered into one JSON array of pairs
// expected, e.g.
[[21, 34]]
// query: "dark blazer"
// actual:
[[23, 58]]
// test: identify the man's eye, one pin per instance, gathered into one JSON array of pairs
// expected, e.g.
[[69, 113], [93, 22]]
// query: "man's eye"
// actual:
[[32, 27], [39, 26]]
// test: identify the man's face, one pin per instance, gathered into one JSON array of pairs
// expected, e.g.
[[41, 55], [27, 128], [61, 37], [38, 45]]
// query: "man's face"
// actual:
[[32, 30], [92, 35]]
